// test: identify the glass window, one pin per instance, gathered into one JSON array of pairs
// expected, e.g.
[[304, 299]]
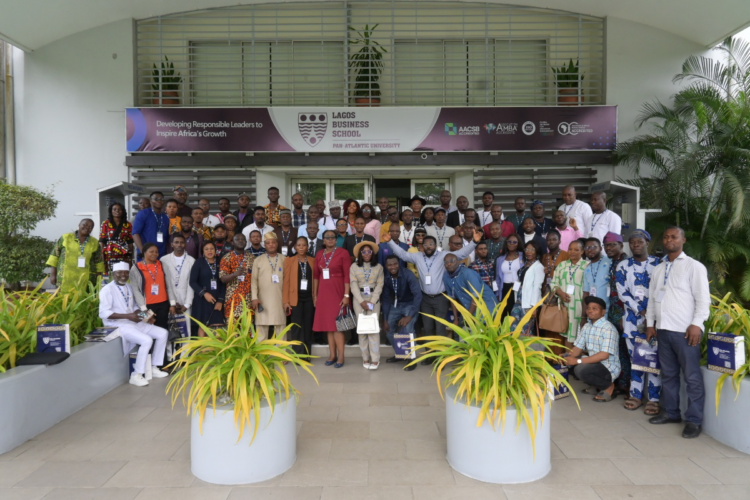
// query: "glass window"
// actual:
[[310, 191], [346, 190], [430, 191]]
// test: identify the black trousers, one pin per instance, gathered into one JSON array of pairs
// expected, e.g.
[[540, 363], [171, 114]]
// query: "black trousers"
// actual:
[[302, 316], [161, 310], [593, 374], [436, 306], [511, 299]]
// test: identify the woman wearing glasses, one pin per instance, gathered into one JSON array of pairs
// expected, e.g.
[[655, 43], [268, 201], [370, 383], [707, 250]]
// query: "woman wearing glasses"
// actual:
[[342, 231], [372, 226], [506, 271], [331, 286], [366, 279]]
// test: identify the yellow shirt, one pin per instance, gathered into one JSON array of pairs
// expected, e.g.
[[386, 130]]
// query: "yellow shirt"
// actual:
[[175, 225], [384, 228]]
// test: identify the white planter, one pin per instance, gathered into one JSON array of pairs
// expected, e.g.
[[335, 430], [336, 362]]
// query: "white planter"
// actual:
[[34, 398], [730, 426], [217, 457], [490, 455]]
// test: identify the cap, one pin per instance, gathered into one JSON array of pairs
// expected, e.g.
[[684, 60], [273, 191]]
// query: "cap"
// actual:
[[359, 246], [419, 199], [121, 266], [420, 230], [612, 237], [334, 204], [229, 216], [440, 209], [180, 187], [596, 300], [285, 211], [220, 226], [640, 233], [242, 194]]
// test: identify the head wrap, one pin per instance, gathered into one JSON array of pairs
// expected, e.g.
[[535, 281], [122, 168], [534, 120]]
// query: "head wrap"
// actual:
[[612, 237], [536, 202], [179, 187], [285, 211]]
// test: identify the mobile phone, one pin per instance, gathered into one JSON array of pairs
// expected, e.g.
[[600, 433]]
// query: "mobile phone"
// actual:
[[260, 308]]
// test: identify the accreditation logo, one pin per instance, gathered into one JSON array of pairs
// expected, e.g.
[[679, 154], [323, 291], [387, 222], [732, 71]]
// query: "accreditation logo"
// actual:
[[312, 127]]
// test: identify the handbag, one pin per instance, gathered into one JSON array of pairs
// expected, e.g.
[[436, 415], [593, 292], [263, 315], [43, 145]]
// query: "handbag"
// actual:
[[645, 357], [367, 323], [553, 317], [345, 320], [177, 327]]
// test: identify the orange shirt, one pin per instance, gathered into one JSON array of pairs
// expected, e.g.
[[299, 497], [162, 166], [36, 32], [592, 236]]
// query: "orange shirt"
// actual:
[[149, 272]]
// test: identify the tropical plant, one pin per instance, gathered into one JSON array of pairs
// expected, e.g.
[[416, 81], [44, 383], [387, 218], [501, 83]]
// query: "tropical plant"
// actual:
[[165, 77], [494, 366], [567, 76], [367, 62], [231, 362], [730, 317], [77, 308], [22, 257]]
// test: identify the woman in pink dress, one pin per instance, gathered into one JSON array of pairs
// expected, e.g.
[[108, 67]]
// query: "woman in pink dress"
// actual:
[[331, 287], [372, 226]]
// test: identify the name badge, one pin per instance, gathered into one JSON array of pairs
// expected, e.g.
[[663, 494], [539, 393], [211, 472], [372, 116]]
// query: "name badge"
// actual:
[[303, 284], [428, 280], [570, 290], [660, 295], [549, 281], [494, 286], [592, 292], [395, 302], [440, 249], [81, 261], [160, 237], [370, 306], [516, 286], [640, 292], [326, 274], [213, 285], [241, 277], [366, 290], [154, 289], [275, 278], [284, 251]]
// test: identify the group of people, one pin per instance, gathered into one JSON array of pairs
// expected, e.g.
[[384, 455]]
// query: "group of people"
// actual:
[[306, 268]]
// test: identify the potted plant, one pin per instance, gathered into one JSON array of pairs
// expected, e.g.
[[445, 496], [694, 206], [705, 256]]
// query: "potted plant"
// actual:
[[166, 81], [368, 65], [498, 395], [568, 79], [251, 434]]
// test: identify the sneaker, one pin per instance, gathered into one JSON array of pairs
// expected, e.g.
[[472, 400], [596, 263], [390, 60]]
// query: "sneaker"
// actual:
[[366, 364], [138, 380], [157, 373], [374, 366]]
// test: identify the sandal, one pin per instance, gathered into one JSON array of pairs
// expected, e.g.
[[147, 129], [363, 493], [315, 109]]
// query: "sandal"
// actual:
[[604, 397], [652, 408], [632, 404]]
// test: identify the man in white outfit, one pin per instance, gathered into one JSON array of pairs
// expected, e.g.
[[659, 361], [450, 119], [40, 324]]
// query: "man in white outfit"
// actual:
[[602, 221], [117, 308], [574, 208]]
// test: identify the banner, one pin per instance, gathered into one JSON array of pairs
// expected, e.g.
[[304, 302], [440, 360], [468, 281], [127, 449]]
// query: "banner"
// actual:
[[386, 129]]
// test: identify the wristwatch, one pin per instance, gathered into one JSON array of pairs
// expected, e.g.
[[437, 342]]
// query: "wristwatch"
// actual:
[[346, 295], [579, 361]]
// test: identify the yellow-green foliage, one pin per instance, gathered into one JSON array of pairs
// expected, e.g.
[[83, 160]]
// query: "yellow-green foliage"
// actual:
[[231, 361], [495, 366], [730, 317]]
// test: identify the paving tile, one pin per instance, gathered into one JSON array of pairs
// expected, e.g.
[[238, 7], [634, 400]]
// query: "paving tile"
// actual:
[[93, 494], [152, 474], [609, 428], [349, 449], [583, 471], [596, 448], [399, 400], [276, 493], [563, 429], [361, 376], [407, 473], [367, 493], [417, 388], [662, 447], [112, 415], [176, 414], [317, 413], [310, 387], [652, 492], [326, 472], [390, 431], [12, 473], [371, 388], [73, 474], [18, 450], [171, 431], [334, 430], [183, 453], [648, 471], [333, 400], [370, 413], [726, 470], [565, 409], [40, 451], [129, 450], [537, 491], [426, 449], [718, 491], [458, 493], [145, 431], [23, 493], [555, 452], [424, 413], [313, 448], [66, 431], [662, 430], [208, 493], [116, 400], [725, 450]]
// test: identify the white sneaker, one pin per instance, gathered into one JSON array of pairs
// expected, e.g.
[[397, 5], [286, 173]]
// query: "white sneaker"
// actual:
[[366, 364], [374, 366], [138, 380], [157, 373]]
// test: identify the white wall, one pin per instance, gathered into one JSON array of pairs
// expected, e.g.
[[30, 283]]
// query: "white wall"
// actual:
[[70, 132]]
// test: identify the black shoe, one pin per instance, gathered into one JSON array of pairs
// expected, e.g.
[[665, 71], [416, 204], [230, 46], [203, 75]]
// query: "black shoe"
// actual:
[[691, 430], [663, 418], [394, 359], [425, 362], [409, 368]]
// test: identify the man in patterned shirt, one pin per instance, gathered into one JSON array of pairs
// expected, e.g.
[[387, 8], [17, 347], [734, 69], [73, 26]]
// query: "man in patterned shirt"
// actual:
[[616, 309], [299, 216], [599, 338], [273, 207], [632, 278], [483, 266]]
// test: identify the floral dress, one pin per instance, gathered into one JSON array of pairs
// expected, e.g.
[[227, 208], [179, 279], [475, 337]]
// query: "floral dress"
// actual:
[[569, 274], [116, 243], [238, 288]]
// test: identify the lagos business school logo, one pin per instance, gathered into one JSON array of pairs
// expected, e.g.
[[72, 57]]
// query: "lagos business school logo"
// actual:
[[312, 127]]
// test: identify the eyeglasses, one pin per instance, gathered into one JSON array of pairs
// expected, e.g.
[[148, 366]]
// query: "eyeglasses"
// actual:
[[366, 250], [591, 247], [157, 199], [366, 210], [329, 237], [341, 223], [512, 242]]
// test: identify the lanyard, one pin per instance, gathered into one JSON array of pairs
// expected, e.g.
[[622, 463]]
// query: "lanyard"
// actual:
[[595, 221], [551, 262], [328, 260], [356, 241], [542, 225], [510, 263], [179, 269], [440, 238], [484, 217], [569, 209], [394, 282], [212, 267], [303, 268], [312, 241], [669, 268], [240, 261], [408, 234], [276, 263], [595, 274], [127, 298], [155, 273], [158, 221], [572, 272], [82, 247], [367, 271], [432, 261], [286, 238]]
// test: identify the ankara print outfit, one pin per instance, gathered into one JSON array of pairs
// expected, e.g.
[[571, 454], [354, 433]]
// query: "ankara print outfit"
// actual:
[[632, 280]]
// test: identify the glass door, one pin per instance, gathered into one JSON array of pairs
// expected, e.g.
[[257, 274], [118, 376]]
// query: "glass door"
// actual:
[[311, 190], [429, 189], [357, 189]]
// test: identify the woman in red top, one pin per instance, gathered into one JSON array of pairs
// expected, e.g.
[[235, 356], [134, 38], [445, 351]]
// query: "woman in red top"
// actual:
[[116, 237], [331, 287]]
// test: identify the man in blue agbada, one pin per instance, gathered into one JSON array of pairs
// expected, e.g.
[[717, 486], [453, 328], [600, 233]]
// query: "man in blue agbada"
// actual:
[[460, 281]]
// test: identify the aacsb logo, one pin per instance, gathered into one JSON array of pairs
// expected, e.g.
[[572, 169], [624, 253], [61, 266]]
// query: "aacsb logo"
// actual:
[[451, 129], [528, 128]]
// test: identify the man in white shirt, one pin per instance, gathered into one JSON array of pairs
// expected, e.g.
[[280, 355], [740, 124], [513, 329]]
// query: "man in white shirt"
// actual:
[[484, 216], [407, 229], [259, 225], [177, 266], [440, 230], [210, 220], [117, 308], [602, 221], [576, 209], [678, 306]]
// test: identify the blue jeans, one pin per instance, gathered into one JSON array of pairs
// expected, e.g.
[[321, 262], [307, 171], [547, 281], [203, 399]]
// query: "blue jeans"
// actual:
[[674, 355], [394, 315]]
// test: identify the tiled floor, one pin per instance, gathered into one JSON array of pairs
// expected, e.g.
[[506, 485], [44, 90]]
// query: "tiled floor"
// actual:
[[365, 435]]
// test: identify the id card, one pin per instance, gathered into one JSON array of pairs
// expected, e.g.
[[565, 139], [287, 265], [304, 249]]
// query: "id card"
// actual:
[[428, 280], [154, 289], [516, 286], [284, 251], [640, 292], [213, 285], [275, 278], [494, 286], [241, 277], [370, 306], [570, 290], [160, 237], [549, 281], [81, 261], [303, 284], [660, 294], [440, 249], [592, 292], [366, 290], [326, 274]]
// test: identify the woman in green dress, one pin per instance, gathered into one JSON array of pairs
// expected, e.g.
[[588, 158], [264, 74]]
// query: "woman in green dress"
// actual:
[[567, 283], [76, 259]]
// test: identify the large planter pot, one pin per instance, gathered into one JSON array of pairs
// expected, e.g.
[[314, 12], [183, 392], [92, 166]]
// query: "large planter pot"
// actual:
[[367, 101], [217, 457], [490, 455], [730, 426]]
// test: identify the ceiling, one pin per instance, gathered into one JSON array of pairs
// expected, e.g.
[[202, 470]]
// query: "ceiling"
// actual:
[[31, 24]]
